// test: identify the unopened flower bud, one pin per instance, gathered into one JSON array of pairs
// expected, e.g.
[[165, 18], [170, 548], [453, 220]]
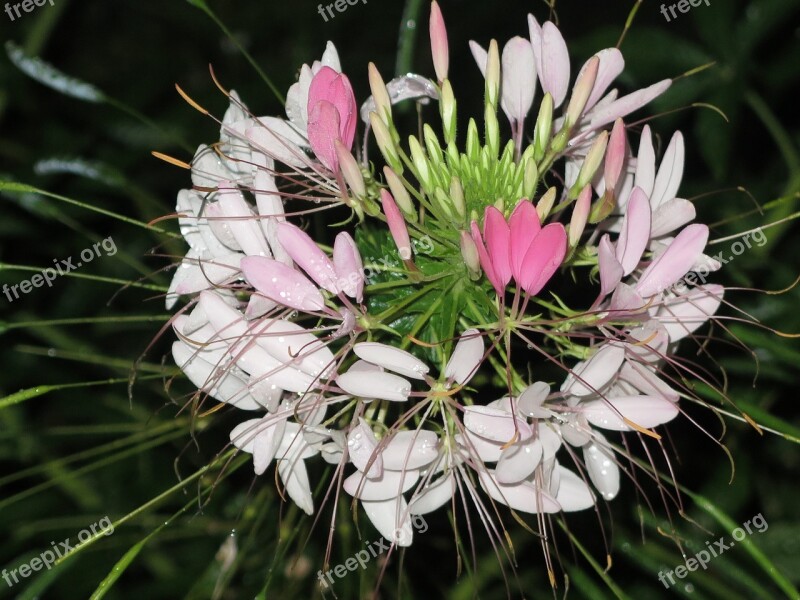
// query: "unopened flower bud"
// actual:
[[580, 214], [592, 162], [432, 145], [400, 194], [469, 252], [420, 163], [544, 127], [350, 169], [385, 142], [457, 196], [383, 105], [397, 225], [530, 178], [439, 46], [615, 155], [447, 106], [582, 91], [493, 75], [492, 128], [545, 204]]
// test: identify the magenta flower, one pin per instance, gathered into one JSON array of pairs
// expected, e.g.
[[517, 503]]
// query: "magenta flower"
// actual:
[[332, 115], [521, 248]]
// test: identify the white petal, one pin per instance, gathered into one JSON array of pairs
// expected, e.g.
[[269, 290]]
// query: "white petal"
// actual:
[[495, 424], [531, 399], [378, 385], [433, 496], [410, 450], [593, 374], [573, 493], [519, 461], [392, 520], [391, 358], [644, 411], [523, 496], [361, 445], [466, 357], [601, 467], [389, 485], [295, 477]]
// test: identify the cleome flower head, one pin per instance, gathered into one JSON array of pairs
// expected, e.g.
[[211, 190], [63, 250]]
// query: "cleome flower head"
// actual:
[[489, 314]]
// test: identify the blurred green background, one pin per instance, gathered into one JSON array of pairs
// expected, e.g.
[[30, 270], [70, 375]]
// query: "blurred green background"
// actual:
[[76, 447]]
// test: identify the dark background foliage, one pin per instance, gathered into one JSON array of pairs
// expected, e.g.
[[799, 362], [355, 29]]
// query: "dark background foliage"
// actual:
[[70, 456]]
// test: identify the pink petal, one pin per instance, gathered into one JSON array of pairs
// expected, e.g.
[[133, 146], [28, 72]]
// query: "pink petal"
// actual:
[[323, 131], [308, 255], [439, 46], [635, 235], [397, 224], [625, 300], [486, 262], [524, 225], [282, 284], [348, 266], [543, 258], [611, 271], [616, 153], [674, 262], [644, 411], [466, 357], [334, 88], [498, 244]]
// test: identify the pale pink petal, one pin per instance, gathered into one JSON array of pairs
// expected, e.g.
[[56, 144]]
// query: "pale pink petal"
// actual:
[[519, 78], [308, 255], [531, 399], [348, 266], [410, 450], [685, 314], [278, 140], [552, 59], [295, 480], [361, 445], [646, 162], [647, 382], [635, 235], [397, 224], [381, 386], [487, 450], [611, 65], [241, 220], [670, 172], [672, 215], [592, 375], [616, 153], [674, 262], [625, 300], [466, 357], [282, 284], [644, 411], [244, 435], [331, 87], [551, 441], [543, 258], [611, 271], [391, 358], [439, 46], [627, 104]]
